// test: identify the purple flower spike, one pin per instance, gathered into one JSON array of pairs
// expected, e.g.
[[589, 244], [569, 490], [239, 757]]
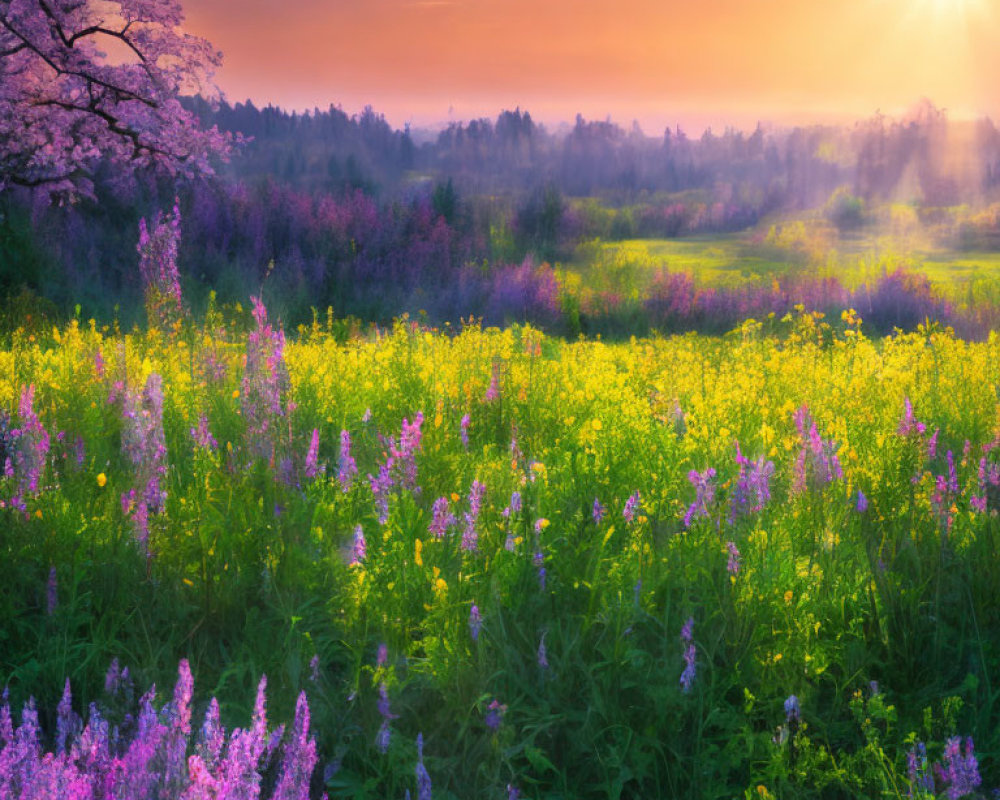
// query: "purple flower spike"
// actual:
[[690, 667], [543, 659], [791, 708], [442, 519], [475, 622], [704, 486], [383, 737], [360, 546], [960, 771], [598, 512], [494, 715], [631, 506], [423, 779], [347, 467], [312, 468], [733, 565]]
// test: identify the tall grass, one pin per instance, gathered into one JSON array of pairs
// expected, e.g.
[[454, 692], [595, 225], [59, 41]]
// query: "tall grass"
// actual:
[[829, 607]]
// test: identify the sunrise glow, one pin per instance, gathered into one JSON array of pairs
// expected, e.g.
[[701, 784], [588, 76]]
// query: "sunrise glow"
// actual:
[[722, 61]]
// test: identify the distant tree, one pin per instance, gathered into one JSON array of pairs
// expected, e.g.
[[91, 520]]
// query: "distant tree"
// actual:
[[845, 210], [539, 222], [82, 80], [445, 201]]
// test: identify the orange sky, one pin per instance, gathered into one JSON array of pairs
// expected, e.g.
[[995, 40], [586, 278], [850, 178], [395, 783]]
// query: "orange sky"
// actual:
[[659, 61]]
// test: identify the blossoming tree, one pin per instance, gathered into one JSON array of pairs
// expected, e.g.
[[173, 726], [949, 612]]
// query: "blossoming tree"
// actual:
[[82, 80]]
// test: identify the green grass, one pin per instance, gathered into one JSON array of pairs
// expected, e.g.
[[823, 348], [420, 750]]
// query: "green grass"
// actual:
[[734, 259], [251, 573]]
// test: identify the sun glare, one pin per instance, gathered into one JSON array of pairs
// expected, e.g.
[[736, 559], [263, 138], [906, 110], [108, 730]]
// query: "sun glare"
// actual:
[[952, 8]]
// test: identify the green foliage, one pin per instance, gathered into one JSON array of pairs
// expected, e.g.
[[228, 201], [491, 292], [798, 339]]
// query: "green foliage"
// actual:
[[249, 573]]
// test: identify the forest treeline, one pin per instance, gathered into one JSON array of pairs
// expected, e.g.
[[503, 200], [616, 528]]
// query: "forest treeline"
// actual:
[[327, 209]]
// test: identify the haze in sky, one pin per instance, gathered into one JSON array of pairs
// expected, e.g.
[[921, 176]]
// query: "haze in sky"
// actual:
[[712, 62]]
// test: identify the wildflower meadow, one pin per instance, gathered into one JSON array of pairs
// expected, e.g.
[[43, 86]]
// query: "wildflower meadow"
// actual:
[[493, 563], [416, 454]]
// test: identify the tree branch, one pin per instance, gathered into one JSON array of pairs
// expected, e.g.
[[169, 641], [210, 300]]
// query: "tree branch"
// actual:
[[60, 70]]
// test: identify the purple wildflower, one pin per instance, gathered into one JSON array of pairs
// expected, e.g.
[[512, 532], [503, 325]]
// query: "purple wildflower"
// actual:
[[382, 658], [690, 667], [475, 622], [932, 444], [753, 490], [360, 546], [286, 472], [493, 391], [494, 715], [264, 386], [179, 728], [704, 486], [862, 504], [687, 631], [543, 660], [945, 492], [423, 779], [314, 669], [960, 771], [908, 424], [158, 269], [921, 779], [112, 679], [312, 467], [470, 536], [144, 445], [515, 449], [989, 487], [733, 564], [203, 436], [212, 735], [598, 512], [442, 518], [817, 463], [791, 708], [33, 444], [631, 506], [348, 468], [299, 758], [384, 734], [400, 467], [381, 486], [6, 723], [383, 737], [68, 724], [515, 503], [464, 429], [383, 702]]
